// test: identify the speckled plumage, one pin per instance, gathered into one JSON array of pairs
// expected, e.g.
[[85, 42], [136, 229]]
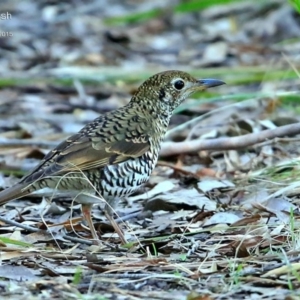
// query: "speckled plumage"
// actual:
[[117, 152]]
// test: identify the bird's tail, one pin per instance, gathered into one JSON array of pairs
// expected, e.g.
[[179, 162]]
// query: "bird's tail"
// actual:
[[18, 190]]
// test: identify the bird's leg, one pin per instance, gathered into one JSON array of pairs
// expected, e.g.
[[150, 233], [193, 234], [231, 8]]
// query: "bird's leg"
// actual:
[[86, 210], [114, 224], [87, 200]]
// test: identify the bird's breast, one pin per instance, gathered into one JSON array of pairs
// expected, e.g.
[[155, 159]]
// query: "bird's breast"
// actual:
[[125, 178]]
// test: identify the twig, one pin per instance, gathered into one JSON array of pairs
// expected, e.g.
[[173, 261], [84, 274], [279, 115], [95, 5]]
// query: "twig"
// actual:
[[25, 227], [32, 229], [277, 141], [179, 170], [78, 240], [174, 148]]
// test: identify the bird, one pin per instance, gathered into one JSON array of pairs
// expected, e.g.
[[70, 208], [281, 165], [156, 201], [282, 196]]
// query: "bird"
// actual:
[[114, 155]]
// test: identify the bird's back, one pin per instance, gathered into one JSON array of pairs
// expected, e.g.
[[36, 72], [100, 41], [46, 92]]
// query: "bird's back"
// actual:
[[114, 154]]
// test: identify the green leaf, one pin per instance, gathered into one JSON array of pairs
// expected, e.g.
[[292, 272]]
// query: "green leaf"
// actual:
[[14, 242]]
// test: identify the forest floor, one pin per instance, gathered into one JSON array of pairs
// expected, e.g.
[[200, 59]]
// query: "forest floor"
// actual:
[[219, 217]]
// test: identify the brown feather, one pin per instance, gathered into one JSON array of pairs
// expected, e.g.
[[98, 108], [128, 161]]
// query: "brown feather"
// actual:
[[17, 191], [82, 152]]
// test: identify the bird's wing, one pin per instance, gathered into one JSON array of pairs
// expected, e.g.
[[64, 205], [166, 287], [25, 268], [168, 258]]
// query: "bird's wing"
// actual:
[[104, 141]]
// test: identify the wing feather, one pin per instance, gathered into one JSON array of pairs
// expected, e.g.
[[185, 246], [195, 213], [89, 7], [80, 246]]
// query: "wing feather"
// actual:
[[91, 149]]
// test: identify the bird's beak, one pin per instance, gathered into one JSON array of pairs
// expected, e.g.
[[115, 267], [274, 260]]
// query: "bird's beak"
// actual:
[[208, 83]]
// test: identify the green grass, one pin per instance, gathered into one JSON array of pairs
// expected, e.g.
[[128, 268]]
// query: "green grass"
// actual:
[[285, 173], [77, 276], [295, 4], [154, 250], [14, 242], [183, 7], [288, 100], [93, 76]]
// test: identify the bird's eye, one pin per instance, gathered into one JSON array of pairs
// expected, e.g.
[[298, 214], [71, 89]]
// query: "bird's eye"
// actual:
[[179, 84]]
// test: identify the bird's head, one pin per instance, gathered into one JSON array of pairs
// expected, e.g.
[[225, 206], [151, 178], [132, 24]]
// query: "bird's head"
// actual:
[[170, 88]]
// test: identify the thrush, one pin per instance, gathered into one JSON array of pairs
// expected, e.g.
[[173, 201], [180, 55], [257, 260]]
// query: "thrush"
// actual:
[[114, 155]]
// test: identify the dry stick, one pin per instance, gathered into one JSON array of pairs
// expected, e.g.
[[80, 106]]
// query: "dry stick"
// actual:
[[77, 240], [25, 227], [32, 229], [174, 148]]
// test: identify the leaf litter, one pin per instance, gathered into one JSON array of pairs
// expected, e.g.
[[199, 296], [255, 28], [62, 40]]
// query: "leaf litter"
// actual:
[[220, 224]]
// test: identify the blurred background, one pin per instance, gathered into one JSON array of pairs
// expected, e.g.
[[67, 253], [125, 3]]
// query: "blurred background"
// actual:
[[240, 41], [62, 63]]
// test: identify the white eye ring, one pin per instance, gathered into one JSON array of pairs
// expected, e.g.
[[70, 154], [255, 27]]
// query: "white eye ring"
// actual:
[[178, 84]]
